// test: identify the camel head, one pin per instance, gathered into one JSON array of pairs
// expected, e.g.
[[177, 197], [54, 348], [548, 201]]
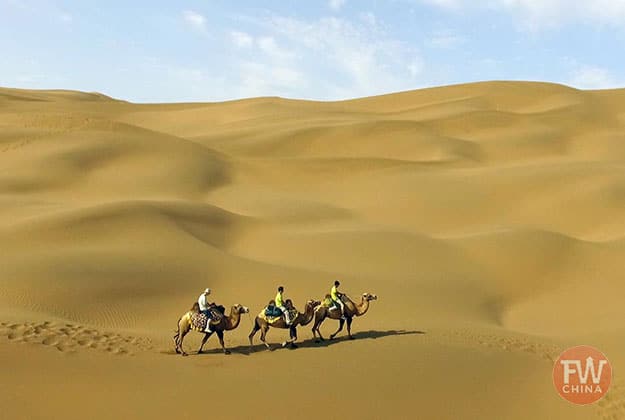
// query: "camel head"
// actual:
[[313, 303], [369, 297], [240, 309]]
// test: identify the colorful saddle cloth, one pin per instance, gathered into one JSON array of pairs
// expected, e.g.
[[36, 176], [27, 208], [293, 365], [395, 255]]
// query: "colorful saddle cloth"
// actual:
[[199, 319]]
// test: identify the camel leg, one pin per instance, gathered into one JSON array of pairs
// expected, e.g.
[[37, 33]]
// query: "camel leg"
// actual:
[[220, 334], [176, 342], [316, 330], [204, 340], [251, 337], [341, 322], [263, 334], [293, 334], [255, 329], [349, 328], [180, 340]]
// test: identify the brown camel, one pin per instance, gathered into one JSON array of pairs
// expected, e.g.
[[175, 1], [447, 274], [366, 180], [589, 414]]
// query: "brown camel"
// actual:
[[351, 310], [261, 323], [226, 323]]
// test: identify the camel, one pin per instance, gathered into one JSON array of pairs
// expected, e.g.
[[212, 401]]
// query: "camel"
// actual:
[[226, 323], [261, 323], [351, 310]]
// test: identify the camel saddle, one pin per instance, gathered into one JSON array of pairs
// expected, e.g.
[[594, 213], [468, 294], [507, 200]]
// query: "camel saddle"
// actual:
[[199, 319], [271, 318], [330, 304]]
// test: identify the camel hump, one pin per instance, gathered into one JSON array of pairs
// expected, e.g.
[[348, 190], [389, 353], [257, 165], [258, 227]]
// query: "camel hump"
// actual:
[[195, 307]]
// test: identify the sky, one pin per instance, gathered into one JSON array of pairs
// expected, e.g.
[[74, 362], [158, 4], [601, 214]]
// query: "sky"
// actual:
[[214, 50]]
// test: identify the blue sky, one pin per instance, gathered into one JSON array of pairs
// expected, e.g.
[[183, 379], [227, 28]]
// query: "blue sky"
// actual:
[[213, 50]]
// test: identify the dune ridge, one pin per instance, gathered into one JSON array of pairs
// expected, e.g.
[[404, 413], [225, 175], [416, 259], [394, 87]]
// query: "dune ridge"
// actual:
[[487, 217]]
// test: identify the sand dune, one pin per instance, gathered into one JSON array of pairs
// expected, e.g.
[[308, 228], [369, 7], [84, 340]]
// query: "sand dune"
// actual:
[[487, 217]]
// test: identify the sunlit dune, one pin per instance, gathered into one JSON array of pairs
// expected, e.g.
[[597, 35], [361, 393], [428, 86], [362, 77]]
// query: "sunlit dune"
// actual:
[[488, 218]]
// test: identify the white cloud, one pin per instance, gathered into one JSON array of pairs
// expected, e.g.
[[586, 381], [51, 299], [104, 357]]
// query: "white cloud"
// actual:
[[327, 58], [195, 20], [445, 4], [369, 18], [539, 14], [241, 39], [591, 77], [336, 5], [444, 40], [66, 17], [415, 67], [269, 46], [267, 79]]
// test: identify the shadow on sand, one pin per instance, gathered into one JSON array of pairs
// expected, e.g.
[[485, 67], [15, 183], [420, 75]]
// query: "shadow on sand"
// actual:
[[311, 342]]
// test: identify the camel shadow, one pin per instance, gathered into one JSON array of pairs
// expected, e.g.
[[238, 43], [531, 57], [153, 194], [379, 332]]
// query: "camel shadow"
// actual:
[[360, 335], [312, 343], [309, 342]]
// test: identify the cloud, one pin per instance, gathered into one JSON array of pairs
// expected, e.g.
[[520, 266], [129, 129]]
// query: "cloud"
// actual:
[[591, 77], [336, 5], [194, 20], [540, 14], [445, 4], [369, 18], [66, 17], [444, 40], [325, 58], [269, 46], [241, 39], [415, 67]]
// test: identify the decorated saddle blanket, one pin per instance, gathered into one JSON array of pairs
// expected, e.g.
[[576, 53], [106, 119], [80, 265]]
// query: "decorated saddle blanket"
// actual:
[[199, 319]]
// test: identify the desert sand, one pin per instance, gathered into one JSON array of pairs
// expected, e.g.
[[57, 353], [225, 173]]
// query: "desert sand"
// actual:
[[488, 218]]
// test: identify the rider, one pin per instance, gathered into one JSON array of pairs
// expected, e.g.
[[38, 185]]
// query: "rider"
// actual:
[[336, 298], [280, 305], [205, 308]]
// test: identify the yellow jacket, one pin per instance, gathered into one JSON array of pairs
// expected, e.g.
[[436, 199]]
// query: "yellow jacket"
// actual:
[[278, 300]]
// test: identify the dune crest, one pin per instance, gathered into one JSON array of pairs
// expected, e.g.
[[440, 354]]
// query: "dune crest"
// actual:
[[487, 217]]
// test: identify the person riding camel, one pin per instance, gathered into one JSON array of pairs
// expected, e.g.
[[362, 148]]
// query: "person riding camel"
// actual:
[[206, 308], [280, 305], [336, 298]]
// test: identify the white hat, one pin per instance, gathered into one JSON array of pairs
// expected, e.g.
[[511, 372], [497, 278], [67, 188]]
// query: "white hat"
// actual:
[[208, 290]]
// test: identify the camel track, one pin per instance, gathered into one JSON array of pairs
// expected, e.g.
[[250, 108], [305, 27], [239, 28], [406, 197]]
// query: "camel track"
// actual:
[[510, 343], [69, 338]]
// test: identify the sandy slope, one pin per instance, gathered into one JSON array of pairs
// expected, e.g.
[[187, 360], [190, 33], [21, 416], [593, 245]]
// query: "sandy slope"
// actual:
[[487, 217]]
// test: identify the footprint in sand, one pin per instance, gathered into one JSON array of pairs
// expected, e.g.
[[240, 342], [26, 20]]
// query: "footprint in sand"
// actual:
[[510, 344], [67, 338]]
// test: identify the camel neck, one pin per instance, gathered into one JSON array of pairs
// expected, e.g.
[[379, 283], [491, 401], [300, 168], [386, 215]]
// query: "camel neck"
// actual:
[[232, 320], [308, 315], [363, 307]]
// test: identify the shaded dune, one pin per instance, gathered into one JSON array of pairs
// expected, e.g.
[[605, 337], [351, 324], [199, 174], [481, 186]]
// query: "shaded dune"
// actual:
[[487, 217]]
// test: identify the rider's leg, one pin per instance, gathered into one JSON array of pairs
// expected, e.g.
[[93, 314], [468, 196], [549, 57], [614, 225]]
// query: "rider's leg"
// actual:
[[342, 305], [287, 316], [208, 321]]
